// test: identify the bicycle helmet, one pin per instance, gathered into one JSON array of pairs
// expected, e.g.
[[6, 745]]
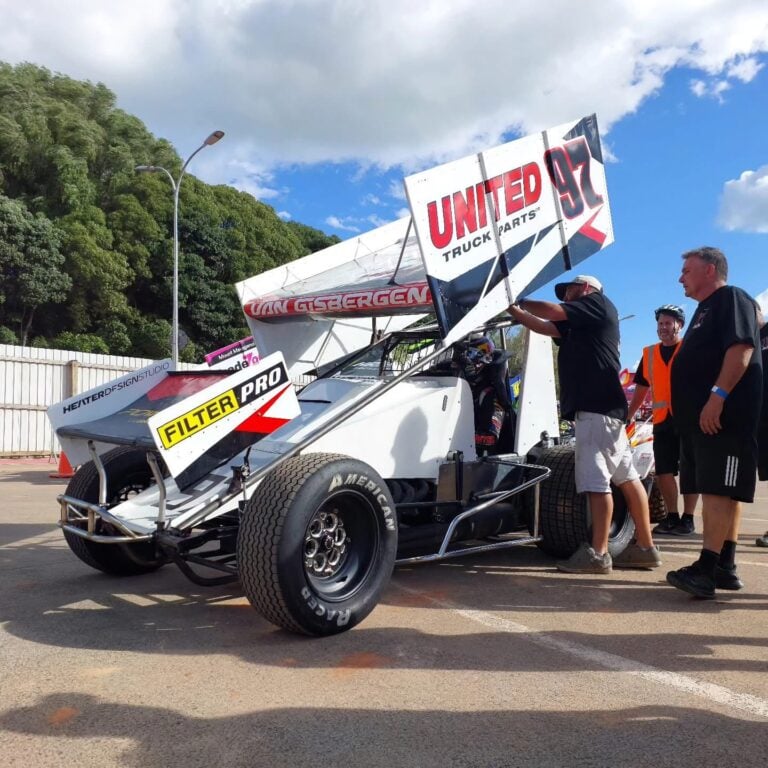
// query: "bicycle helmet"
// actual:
[[673, 311]]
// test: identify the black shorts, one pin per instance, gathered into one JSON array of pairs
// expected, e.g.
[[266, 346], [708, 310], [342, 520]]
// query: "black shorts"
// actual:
[[666, 451], [720, 465]]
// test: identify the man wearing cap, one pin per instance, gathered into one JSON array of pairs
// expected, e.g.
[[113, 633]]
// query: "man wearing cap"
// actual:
[[585, 326], [654, 373], [716, 398]]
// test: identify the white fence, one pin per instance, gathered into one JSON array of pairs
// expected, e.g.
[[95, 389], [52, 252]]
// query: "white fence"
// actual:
[[32, 379]]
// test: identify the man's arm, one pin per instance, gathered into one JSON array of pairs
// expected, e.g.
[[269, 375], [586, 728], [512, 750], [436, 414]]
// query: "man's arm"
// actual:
[[637, 401], [547, 310], [735, 363], [533, 323]]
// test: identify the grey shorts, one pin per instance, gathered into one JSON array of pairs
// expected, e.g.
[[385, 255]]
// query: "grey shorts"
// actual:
[[602, 453]]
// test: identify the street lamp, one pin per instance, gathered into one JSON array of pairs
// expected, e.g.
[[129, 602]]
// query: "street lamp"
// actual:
[[176, 184]]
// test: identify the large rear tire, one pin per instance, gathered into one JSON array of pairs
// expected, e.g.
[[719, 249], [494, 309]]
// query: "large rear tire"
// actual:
[[317, 544], [127, 475], [564, 514]]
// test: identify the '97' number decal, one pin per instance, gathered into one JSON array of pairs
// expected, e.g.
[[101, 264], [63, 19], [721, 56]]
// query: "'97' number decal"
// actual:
[[568, 168]]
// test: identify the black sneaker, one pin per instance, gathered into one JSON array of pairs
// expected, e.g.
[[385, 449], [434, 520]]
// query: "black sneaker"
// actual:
[[727, 578], [690, 579], [684, 527], [667, 525]]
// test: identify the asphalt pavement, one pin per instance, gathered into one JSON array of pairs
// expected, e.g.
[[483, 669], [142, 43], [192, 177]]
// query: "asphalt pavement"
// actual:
[[491, 660]]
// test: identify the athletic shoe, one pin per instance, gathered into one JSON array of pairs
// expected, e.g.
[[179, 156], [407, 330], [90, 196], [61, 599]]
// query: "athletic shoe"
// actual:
[[727, 578], [635, 556], [667, 525], [691, 580], [585, 560], [684, 527], [762, 541]]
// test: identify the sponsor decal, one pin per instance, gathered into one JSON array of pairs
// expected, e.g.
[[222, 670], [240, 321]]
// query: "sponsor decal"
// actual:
[[225, 353], [569, 172], [478, 240], [508, 199], [373, 488], [197, 419], [466, 211], [116, 387], [408, 296], [342, 617], [249, 358]]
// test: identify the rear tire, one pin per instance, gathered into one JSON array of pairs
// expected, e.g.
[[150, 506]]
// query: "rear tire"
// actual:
[[565, 518], [317, 544], [127, 474]]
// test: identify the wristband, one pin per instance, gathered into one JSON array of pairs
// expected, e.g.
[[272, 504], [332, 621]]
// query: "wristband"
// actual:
[[719, 391]]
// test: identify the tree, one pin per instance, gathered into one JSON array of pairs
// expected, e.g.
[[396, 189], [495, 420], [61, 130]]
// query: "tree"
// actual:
[[31, 264], [67, 162]]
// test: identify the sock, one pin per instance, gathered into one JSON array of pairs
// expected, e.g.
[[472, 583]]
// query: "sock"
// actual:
[[707, 562], [728, 555], [673, 516]]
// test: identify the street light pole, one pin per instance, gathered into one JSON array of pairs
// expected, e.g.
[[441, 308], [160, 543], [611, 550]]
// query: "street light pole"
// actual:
[[176, 185]]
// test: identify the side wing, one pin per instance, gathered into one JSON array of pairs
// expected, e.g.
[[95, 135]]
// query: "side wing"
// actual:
[[495, 226]]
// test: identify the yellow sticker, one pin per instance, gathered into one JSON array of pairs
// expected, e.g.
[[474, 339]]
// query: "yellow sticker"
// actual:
[[190, 423]]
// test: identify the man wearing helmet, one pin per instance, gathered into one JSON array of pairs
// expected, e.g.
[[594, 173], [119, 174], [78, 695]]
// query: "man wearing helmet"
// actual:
[[654, 373], [586, 328], [484, 369], [716, 398]]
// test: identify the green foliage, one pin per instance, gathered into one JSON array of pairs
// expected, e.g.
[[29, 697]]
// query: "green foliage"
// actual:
[[80, 342], [30, 263], [7, 336], [79, 228], [312, 239]]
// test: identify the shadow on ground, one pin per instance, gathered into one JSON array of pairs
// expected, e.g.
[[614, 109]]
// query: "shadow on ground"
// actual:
[[154, 737]]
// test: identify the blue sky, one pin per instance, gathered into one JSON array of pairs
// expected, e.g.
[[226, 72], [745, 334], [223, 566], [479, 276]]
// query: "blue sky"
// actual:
[[327, 104]]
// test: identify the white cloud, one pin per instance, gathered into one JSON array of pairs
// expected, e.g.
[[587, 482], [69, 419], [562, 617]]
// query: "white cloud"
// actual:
[[744, 69], [762, 300], [378, 221], [343, 224], [284, 215], [381, 83], [744, 202], [396, 189], [741, 68]]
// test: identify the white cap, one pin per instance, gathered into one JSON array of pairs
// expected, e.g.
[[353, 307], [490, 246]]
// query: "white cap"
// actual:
[[578, 280]]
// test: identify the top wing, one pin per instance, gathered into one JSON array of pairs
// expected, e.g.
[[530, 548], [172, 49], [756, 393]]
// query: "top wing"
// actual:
[[485, 230]]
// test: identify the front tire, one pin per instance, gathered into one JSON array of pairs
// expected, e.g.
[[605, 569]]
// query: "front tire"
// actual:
[[317, 544], [564, 514], [127, 475]]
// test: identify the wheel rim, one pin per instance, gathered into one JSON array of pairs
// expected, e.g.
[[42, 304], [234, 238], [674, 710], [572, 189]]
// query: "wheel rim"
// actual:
[[339, 546]]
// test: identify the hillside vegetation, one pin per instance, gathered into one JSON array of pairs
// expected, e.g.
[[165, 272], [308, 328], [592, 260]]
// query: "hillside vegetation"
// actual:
[[86, 249]]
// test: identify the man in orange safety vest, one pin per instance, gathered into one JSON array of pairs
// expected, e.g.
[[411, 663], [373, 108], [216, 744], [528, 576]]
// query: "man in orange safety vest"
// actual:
[[653, 374]]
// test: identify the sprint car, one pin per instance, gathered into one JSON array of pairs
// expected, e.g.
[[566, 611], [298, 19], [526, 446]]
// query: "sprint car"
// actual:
[[309, 495]]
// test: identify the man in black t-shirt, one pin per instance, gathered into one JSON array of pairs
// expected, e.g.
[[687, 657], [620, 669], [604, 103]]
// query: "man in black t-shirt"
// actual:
[[716, 397], [586, 328], [653, 373]]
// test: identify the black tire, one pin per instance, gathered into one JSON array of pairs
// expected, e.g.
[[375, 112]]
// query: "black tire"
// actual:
[[564, 516], [655, 500], [299, 510], [127, 474]]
